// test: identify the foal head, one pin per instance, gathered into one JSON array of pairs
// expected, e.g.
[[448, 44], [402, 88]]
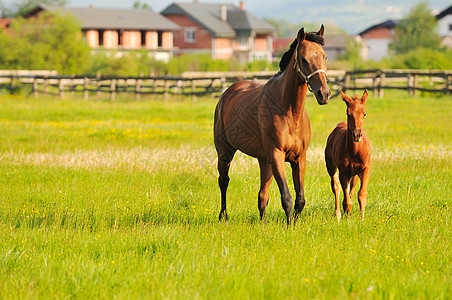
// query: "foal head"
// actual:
[[310, 62], [355, 114]]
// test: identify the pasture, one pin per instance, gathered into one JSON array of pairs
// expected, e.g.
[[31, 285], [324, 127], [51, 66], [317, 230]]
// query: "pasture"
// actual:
[[102, 199]]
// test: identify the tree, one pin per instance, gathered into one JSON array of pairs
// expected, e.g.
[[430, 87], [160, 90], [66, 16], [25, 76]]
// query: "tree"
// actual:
[[138, 4], [49, 41], [22, 7], [416, 30]]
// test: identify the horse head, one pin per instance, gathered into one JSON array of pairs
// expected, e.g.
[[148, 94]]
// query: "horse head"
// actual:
[[355, 114], [310, 62]]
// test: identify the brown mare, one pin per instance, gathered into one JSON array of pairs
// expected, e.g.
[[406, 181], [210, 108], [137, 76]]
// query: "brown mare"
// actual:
[[348, 149], [270, 122]]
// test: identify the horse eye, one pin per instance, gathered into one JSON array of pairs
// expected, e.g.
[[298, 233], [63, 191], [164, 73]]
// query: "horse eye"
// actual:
[[326, 58], [365, 114]]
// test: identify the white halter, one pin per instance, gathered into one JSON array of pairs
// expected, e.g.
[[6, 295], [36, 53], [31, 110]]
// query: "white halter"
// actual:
[[301, 74]]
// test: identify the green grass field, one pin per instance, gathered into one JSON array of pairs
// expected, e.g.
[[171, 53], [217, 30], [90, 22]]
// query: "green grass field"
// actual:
[[120, 200]]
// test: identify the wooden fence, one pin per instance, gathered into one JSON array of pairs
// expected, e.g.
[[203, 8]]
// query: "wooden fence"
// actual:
[[214, 83]]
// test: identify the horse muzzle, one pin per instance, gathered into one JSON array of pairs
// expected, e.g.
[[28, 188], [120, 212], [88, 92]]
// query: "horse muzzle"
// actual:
[[323, 95], [357, 135]]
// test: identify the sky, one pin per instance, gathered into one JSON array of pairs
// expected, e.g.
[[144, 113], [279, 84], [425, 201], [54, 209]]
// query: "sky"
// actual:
[[352, 15]]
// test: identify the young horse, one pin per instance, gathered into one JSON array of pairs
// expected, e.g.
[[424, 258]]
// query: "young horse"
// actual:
[[348, 149], [270, 122]]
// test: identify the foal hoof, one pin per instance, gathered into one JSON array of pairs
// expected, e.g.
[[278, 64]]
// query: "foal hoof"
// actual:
[[338, 216]]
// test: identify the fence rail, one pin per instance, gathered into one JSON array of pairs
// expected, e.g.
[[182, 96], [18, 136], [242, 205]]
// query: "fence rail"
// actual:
[[213, 83]]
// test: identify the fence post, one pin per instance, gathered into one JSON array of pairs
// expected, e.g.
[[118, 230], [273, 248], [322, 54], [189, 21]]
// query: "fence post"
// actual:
[[35, 87], [138, 89], [346, 82], [166, 92], [61, 88], [13, 82], [448, 83], [113, 90], [410, 84], [193, 90], [46, 87], [381, 86], [85, 88], [415, 80]]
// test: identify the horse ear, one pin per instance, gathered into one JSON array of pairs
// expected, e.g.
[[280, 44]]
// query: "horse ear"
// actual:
[[364, 97], [320, 32], [301, 35], [345, 97]]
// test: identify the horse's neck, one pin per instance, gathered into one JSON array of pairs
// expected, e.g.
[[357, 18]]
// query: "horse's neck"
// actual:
[[293, 90]]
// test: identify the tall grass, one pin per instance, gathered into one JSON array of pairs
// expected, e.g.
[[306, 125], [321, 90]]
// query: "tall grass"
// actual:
[[103, 200]]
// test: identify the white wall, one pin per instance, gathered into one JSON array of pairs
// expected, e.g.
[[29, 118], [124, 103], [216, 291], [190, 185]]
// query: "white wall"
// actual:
[[378, 48], [443, 26]]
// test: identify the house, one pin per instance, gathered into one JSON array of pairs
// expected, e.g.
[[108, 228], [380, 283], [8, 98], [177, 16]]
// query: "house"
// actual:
[[4, 23], [335, 46], [445, 26], [378, 37], [122, 29], [223, 30]]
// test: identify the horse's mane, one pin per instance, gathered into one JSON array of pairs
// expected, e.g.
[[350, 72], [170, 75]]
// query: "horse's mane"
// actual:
[[310, 36]]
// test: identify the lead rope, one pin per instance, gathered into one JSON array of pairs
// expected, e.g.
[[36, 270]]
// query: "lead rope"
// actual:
[[300, 73]]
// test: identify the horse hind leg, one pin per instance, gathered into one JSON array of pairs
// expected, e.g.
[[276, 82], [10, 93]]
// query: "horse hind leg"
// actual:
[[266, 179], [224, 162]]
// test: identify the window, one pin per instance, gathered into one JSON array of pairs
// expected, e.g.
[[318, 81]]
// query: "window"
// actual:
[[120, 37], [190, 35], [243, 42], [143, 37], [450, 27], [159, 39], [101, 37]]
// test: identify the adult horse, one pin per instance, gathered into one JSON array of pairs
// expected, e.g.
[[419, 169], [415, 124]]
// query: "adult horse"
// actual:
[[270, 122]]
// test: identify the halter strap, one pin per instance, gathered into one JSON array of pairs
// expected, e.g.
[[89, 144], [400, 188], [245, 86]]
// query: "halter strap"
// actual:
[[301, 74]]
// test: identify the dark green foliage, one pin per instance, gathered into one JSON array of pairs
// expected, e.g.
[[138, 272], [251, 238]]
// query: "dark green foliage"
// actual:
[[50, 41], [416, 30]]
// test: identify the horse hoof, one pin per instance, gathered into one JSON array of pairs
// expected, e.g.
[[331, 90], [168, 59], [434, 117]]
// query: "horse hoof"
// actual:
[[223, 215]]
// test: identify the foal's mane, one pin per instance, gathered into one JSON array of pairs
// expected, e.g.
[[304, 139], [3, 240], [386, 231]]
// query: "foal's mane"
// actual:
[[310, 36]]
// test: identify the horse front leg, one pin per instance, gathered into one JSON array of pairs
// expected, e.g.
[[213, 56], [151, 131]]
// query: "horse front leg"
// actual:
[[277, 163], [345, 183], [266, 179], [298, 174], [362, 194]]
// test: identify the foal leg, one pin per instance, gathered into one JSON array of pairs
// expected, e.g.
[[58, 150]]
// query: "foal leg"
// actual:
[[298, 172], [335, 185], [224, 162], [277, 162], [353, 184], [347, 203], [362, 194], [266, 179]]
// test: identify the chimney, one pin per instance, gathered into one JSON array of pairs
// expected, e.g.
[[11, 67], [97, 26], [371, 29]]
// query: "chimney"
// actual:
[[242, 5], [223, 12], [196, 1], [92, 6]]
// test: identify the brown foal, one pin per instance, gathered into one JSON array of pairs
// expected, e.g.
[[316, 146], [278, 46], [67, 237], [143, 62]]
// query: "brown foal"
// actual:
[[348, 150]]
